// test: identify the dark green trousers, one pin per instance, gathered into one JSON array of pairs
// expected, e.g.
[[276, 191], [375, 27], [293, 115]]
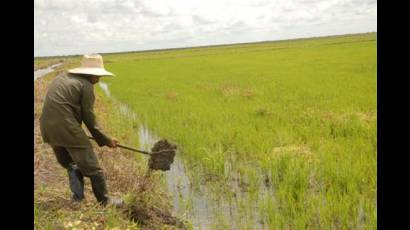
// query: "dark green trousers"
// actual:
[[84, 158], [86, 161]]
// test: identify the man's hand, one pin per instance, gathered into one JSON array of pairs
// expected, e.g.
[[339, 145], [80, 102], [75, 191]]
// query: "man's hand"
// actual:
[[113, 143]]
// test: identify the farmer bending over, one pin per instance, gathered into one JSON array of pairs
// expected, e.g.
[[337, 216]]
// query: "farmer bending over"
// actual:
[[68, 103]]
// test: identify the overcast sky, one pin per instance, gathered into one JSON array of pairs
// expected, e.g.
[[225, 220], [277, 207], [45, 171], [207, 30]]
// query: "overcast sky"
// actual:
[[65, 27]]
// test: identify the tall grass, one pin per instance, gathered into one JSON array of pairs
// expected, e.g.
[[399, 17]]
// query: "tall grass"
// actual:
[[298, 117]]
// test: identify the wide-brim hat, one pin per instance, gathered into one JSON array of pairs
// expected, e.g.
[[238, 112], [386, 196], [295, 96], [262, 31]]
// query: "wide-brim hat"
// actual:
[[92, 64]]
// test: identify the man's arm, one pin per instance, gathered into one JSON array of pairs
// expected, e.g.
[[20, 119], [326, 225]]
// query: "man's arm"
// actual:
[[88, 116]]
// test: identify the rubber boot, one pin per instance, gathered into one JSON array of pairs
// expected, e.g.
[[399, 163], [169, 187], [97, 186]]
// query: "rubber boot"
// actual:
[[101, 193], [76, 180]]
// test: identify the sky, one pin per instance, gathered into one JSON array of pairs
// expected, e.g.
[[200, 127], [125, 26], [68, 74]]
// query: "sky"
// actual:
[[75, 27]]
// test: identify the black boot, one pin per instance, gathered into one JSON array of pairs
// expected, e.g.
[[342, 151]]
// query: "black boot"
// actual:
[[100, 191], [76, 180], [99, 188]]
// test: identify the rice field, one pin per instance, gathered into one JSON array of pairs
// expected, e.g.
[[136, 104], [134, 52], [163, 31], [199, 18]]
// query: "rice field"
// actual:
[[279, 135]]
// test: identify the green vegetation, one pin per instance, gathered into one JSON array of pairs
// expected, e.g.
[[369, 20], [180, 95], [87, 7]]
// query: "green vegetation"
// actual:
[[292, 123]]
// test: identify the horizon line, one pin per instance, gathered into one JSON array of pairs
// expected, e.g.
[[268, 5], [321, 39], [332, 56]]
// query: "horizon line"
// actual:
[[208, 46]]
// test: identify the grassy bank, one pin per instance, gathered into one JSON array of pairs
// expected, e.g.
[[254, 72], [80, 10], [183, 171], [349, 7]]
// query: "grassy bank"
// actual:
[[148, 204]]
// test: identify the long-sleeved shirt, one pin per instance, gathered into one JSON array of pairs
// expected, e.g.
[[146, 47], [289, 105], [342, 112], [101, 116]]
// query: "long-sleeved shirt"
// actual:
[[69, 102]]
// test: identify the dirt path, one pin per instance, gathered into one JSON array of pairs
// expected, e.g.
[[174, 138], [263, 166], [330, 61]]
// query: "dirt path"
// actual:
[[147, 205]]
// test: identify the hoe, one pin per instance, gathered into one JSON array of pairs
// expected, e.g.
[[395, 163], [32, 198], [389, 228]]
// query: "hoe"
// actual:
[[161, 156]]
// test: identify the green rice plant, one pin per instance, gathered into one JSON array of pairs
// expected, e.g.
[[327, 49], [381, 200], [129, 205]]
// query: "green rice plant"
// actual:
[[299, 116]]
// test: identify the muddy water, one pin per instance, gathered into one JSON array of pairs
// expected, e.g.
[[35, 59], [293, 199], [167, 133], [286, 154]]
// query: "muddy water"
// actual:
[[42, 72], [179, 186]]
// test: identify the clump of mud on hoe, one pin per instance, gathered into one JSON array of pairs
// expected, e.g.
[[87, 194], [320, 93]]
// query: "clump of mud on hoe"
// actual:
[[162, 155]]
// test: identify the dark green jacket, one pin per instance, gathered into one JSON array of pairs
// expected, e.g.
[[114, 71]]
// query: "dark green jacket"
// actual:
[[69, 102]]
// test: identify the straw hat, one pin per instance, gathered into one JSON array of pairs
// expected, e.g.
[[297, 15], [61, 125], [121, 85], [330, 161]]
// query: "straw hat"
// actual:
[[92, 64]]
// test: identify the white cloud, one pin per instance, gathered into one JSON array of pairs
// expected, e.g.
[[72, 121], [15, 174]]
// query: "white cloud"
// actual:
[[63, 27]]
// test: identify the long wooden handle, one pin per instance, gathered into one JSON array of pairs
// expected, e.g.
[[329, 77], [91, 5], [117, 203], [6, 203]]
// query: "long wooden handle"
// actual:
[[132, 149], [126, 147]]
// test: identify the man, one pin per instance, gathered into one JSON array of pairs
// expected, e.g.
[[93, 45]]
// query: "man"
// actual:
[[69, 102]]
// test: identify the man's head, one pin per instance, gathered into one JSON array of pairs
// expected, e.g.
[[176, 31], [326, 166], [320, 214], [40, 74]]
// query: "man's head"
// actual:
[[92, 78]]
